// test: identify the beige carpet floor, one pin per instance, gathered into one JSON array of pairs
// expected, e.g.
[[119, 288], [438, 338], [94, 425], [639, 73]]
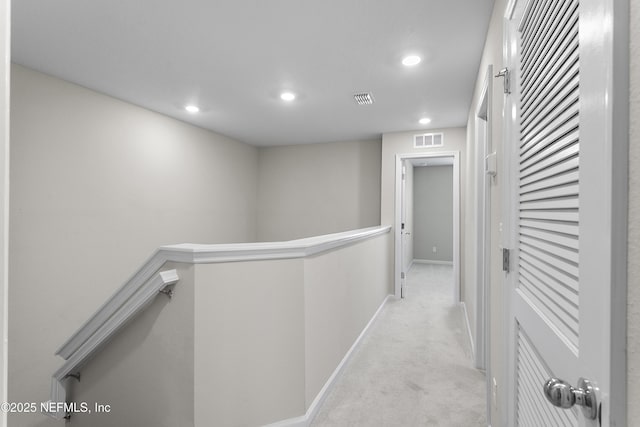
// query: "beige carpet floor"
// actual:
[[414, 367]]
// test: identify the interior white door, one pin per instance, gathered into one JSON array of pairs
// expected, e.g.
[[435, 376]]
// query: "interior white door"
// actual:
[[563, 209]]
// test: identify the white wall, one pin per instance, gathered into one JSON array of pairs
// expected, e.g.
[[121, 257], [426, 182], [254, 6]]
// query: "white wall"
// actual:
[[310, 190], [96, 185], [249, 343], [433, 209], [343, 290], [492, 55], [633, 304]]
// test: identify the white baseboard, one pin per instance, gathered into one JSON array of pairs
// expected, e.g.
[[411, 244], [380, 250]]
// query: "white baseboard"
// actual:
[[410, 266], [431, 261], [302, 421], [465, 314], [305, 420]]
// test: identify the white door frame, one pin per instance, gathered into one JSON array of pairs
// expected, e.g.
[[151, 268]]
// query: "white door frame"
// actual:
[[482, 253], [482, 250], [456, 217], [403, 230], [5, 54], [609, 120]]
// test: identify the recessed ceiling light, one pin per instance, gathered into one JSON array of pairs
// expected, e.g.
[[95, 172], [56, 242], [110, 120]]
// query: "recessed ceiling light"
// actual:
[[411, 60], [192, 109], [424, 121], [287, 96]]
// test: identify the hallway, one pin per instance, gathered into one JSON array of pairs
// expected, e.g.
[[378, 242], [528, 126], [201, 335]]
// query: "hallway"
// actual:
[[413, 368]]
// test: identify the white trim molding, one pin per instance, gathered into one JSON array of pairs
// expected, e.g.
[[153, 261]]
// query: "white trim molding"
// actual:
[[465, 316], [431, 261], [301, 248], [5, 124]]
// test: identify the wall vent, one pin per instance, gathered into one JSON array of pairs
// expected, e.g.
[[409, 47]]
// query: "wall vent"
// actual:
[[364, 98], [427, 140]]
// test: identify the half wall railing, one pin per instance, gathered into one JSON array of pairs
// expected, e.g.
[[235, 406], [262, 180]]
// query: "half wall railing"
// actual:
[[150, 280]]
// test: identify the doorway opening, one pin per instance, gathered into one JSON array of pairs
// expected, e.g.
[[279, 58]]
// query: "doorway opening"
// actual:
[[402, 236]]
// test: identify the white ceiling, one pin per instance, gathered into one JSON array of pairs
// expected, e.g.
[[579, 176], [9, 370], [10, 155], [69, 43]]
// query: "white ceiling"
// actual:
[[234, 57]]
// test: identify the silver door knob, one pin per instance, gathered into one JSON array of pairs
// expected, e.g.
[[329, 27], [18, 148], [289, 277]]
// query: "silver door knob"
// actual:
[[563, 395]]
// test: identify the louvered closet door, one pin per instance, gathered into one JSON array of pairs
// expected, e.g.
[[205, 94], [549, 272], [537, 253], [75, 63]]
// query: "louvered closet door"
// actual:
[[565, 207], [547, 285]]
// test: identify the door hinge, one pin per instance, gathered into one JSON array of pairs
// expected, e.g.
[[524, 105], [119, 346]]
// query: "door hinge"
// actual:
[[507, 79], [402, 275], [506, 261], [402, 226]]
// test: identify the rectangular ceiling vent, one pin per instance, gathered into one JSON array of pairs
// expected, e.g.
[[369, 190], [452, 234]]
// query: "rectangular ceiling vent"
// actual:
[[428, 140], [364, 98]]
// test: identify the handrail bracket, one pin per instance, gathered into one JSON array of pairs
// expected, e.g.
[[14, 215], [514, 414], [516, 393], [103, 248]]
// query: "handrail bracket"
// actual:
[[76, 376], [167, 291]]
